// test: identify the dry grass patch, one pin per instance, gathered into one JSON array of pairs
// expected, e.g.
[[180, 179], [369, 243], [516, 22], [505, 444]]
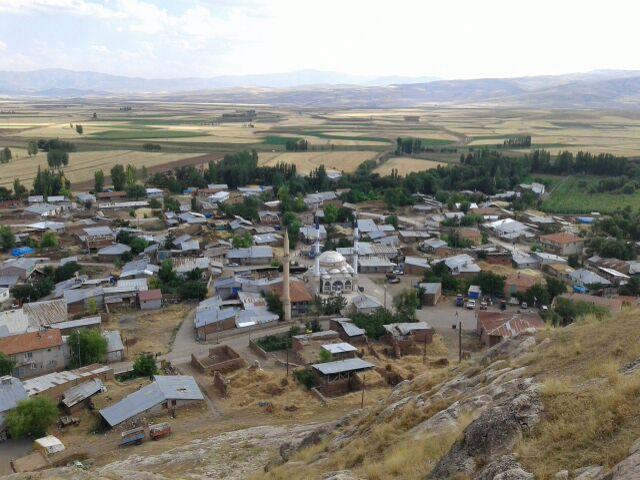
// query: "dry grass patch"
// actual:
[[305, 162]]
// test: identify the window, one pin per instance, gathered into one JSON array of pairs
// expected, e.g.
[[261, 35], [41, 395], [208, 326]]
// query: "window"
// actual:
[[337, 286], [347, 285], [28, 355]]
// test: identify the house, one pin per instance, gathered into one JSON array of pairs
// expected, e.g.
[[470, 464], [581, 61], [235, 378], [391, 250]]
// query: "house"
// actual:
[[113, 252], [165, 394], [111, 195], [310, 234], [588, 279], [21, 268], [5, 295], [154, 192], [472, 235], [431, 293], [462, 265], [251, 256], [115, 348], [34, 353], [81, 300], [434, 245], [340, 351], [267, 217], [509, 229], [43, 210], [407, 338], [97, 237], [49, 445], [561, 271], [84, 197], [150, 299], [562, 243], [299, 295], [365, 304], [213, 319], [375, 265], [317, 200], [70, 326], [14, 322], [519, 283], [348, 331], [12, 392], [415, 265], [493, 327], [142, 268], [53, 385], [335, 378], [367, 226], [524, 260], [79, 397]]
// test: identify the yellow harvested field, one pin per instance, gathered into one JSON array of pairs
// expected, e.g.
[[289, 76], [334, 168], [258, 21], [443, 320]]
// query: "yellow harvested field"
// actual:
[[406, 165], [64, 130], [305, 162], [82, 165]]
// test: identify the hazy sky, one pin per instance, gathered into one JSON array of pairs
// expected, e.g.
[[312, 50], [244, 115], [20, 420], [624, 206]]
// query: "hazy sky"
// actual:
[[448, 38]]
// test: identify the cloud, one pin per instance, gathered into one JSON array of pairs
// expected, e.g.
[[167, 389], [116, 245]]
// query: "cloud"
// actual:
[[3, 46], [99, 49]]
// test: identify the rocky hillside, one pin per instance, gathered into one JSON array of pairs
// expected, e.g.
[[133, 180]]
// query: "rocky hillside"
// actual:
[[560, 404]]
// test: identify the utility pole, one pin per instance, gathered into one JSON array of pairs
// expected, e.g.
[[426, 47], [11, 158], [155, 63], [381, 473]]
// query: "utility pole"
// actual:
[[459, 339], [424, 351], [287, 362], [364, 376], [79, 354]]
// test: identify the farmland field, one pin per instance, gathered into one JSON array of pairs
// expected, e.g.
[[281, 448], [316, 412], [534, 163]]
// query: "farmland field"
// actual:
[[305, 162], [573, 195], [82, 165], [405, 165]]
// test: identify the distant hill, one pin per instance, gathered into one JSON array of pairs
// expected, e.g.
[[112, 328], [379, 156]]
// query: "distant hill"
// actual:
[[39, 82], [608, 89]]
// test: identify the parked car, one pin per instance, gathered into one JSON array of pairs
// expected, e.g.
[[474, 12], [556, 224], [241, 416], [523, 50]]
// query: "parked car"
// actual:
[[394, 279], [459, 301], [470, 305]]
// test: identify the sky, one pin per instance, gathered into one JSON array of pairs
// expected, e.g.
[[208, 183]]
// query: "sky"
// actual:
[[203, 38]]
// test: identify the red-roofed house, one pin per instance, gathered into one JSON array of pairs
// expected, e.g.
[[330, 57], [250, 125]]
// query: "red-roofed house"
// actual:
[[35, 353], [562, 243], [150, 299], [299, 295], [493, 327]]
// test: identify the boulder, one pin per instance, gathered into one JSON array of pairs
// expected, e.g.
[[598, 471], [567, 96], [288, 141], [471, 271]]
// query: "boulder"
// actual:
[[592, 472], [505, 468], [629, 468]]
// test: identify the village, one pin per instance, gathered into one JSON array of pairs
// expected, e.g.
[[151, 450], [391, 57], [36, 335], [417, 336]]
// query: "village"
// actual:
[[143, 318]]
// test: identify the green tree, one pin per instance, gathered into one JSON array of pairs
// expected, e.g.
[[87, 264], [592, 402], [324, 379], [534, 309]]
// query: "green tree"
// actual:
[[406, 303], [136, 191], [87, 347], [5, 155], [57, 158], [19, 190], [32, 148], [32, 417], [118, 177], [6, 365], [145, 366], [274, 304], [79, 129], [32, 291], [242, 241], [192, 290], [49, 240], [7, 238], [98, 181], [131, 175], [66, 271], [325, 356], [330, 214]]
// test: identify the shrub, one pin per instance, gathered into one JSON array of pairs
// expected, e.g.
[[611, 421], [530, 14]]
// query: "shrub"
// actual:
[[145, 366], [306, 378], [32, 417]]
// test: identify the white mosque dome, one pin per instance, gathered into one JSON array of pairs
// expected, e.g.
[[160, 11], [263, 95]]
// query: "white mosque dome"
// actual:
[[331, 258]]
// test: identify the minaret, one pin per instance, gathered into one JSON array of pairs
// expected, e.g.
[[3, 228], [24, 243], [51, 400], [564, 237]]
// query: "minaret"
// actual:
[[356, 234], [286, 292], [317, 269]]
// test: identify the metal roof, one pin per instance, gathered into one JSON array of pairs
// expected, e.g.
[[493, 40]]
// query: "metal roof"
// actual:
[[117, 249], [46, 313], [83, 391], [80, 323], [163, 388], [350, 328], [114, 341], [43, 383], [342, 366], [343, 347], [11, 392]]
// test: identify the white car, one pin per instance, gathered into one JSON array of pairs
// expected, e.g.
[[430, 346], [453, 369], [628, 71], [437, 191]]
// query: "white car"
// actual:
[[470, 305]]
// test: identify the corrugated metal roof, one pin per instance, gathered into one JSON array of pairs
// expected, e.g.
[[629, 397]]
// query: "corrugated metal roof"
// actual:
[[46, 313], [163, 388], [114, 341], [11, 392], [342, 347], [342, 366], [83, 391]]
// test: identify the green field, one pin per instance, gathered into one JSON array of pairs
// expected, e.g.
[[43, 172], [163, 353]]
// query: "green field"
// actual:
[[573, 195]]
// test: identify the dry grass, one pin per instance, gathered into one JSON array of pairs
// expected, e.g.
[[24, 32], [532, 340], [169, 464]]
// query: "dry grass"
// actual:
[[305, 162], [592, 414], [406, 165], [149, 332]]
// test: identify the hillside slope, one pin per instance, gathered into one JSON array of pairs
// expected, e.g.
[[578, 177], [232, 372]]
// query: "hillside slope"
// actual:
[[558, 404]]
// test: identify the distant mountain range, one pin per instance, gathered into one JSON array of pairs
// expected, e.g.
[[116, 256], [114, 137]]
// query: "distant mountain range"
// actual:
[[614, 89], [55, 81]]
